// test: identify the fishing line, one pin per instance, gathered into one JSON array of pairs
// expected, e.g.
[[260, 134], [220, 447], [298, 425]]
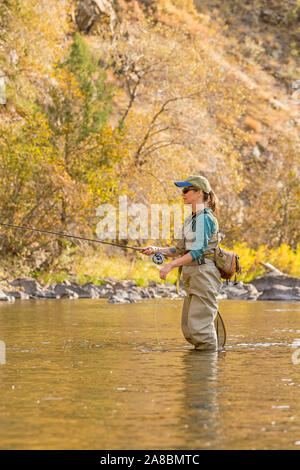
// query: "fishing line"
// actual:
[[157, 258], [60, 234]]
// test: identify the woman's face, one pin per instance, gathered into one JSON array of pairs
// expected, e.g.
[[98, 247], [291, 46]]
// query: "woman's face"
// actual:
[[193, 197]]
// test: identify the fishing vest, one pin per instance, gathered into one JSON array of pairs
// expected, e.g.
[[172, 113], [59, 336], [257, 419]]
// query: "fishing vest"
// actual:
[[187, 230]]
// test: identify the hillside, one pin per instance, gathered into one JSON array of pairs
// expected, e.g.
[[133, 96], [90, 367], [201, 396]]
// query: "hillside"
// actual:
[[265, 32], [182, 88]]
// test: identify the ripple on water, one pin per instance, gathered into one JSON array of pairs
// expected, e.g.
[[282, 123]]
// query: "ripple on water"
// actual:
[[98, 363], [259, 345], [283, 310]]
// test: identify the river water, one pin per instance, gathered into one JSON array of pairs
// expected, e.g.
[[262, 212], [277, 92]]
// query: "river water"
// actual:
[[86, 374]]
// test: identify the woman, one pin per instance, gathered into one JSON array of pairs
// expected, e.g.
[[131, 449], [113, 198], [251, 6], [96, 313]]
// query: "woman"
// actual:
[[194, 255]]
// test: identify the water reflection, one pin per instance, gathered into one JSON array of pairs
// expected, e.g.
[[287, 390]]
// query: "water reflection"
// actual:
[[89, 375], [200, 397]]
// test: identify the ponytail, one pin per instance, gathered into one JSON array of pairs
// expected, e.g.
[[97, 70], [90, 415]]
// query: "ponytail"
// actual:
[[212, 200]]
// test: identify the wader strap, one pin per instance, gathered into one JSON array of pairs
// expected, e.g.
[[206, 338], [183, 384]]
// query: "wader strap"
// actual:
[[178, 279], [215, 221]]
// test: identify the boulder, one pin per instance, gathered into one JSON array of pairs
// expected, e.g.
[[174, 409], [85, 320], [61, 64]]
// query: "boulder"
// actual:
[[271, 16], [121, 296], [43, 294], [70, 290], [274, 286], [18, 294], [128, 291], [167, 289], [28, 284], [33, 288], [268, 280], [96, 292], [5, 297], [122, 284], [270, 286], [279, 292], [239, 291], [88, 12]]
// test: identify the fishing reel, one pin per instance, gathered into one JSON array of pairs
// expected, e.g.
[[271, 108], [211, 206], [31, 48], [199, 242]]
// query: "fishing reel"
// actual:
[[158, 258]]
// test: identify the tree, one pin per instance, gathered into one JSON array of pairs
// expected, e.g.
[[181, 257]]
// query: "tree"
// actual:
[[78, 113], [30, 183]]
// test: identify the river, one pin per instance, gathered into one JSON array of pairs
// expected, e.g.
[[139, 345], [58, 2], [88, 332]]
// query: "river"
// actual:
[[86, 374]]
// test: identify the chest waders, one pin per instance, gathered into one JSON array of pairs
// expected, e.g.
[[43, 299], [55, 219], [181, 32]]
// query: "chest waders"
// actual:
[[201, 322]]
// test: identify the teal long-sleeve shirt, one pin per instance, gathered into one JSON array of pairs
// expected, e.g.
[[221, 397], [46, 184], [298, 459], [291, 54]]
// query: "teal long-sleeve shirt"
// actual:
[[202, 227]]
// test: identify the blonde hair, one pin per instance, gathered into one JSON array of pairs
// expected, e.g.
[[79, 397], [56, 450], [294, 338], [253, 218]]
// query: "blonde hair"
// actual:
[[213, 202]]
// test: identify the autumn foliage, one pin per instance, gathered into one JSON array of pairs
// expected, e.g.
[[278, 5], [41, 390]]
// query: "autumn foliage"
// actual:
[[92, 115]]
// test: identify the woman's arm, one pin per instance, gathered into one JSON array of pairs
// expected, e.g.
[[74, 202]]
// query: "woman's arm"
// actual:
[[176, 263], [168, 251]]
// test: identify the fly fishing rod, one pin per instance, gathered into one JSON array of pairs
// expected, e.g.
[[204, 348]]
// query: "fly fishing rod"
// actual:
[[157, 258]]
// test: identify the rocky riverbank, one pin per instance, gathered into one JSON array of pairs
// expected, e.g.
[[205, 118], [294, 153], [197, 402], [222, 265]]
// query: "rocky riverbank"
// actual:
[[270, 286]]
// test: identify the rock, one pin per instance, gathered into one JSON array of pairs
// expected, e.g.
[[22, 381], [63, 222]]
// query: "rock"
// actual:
[[153, 283], [6, 298], [270, 286], [270, 16], [239, 291], [88, 12], [68, 294], [105, 290], [166, 287], [4, 284], [98, 292], [128, 291], [33, 288], [70, 290], [274, 286], [222, 295], [29, 284], [268, 280], [121, 296], [279, 292], [79, 290], [43, 294], [163, 289], [153, 293], [144, 293], [256, 152], [18, 294], [91, 290], [122, 284]]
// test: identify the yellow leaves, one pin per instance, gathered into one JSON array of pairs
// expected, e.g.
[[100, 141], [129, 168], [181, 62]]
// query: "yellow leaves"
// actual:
[[225, 119], [102, 263], [32, 39], [252, 124], [283, 258], [68, 83], [217, 128]]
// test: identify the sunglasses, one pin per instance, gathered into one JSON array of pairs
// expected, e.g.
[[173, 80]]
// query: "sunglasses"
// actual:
[[186, 190]]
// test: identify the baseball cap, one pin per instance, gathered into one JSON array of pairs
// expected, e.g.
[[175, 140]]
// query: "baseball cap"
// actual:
[[196, 181]]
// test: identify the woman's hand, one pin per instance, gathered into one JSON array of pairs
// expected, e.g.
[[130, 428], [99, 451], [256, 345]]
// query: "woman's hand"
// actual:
[[149, 250], [163, 272]]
